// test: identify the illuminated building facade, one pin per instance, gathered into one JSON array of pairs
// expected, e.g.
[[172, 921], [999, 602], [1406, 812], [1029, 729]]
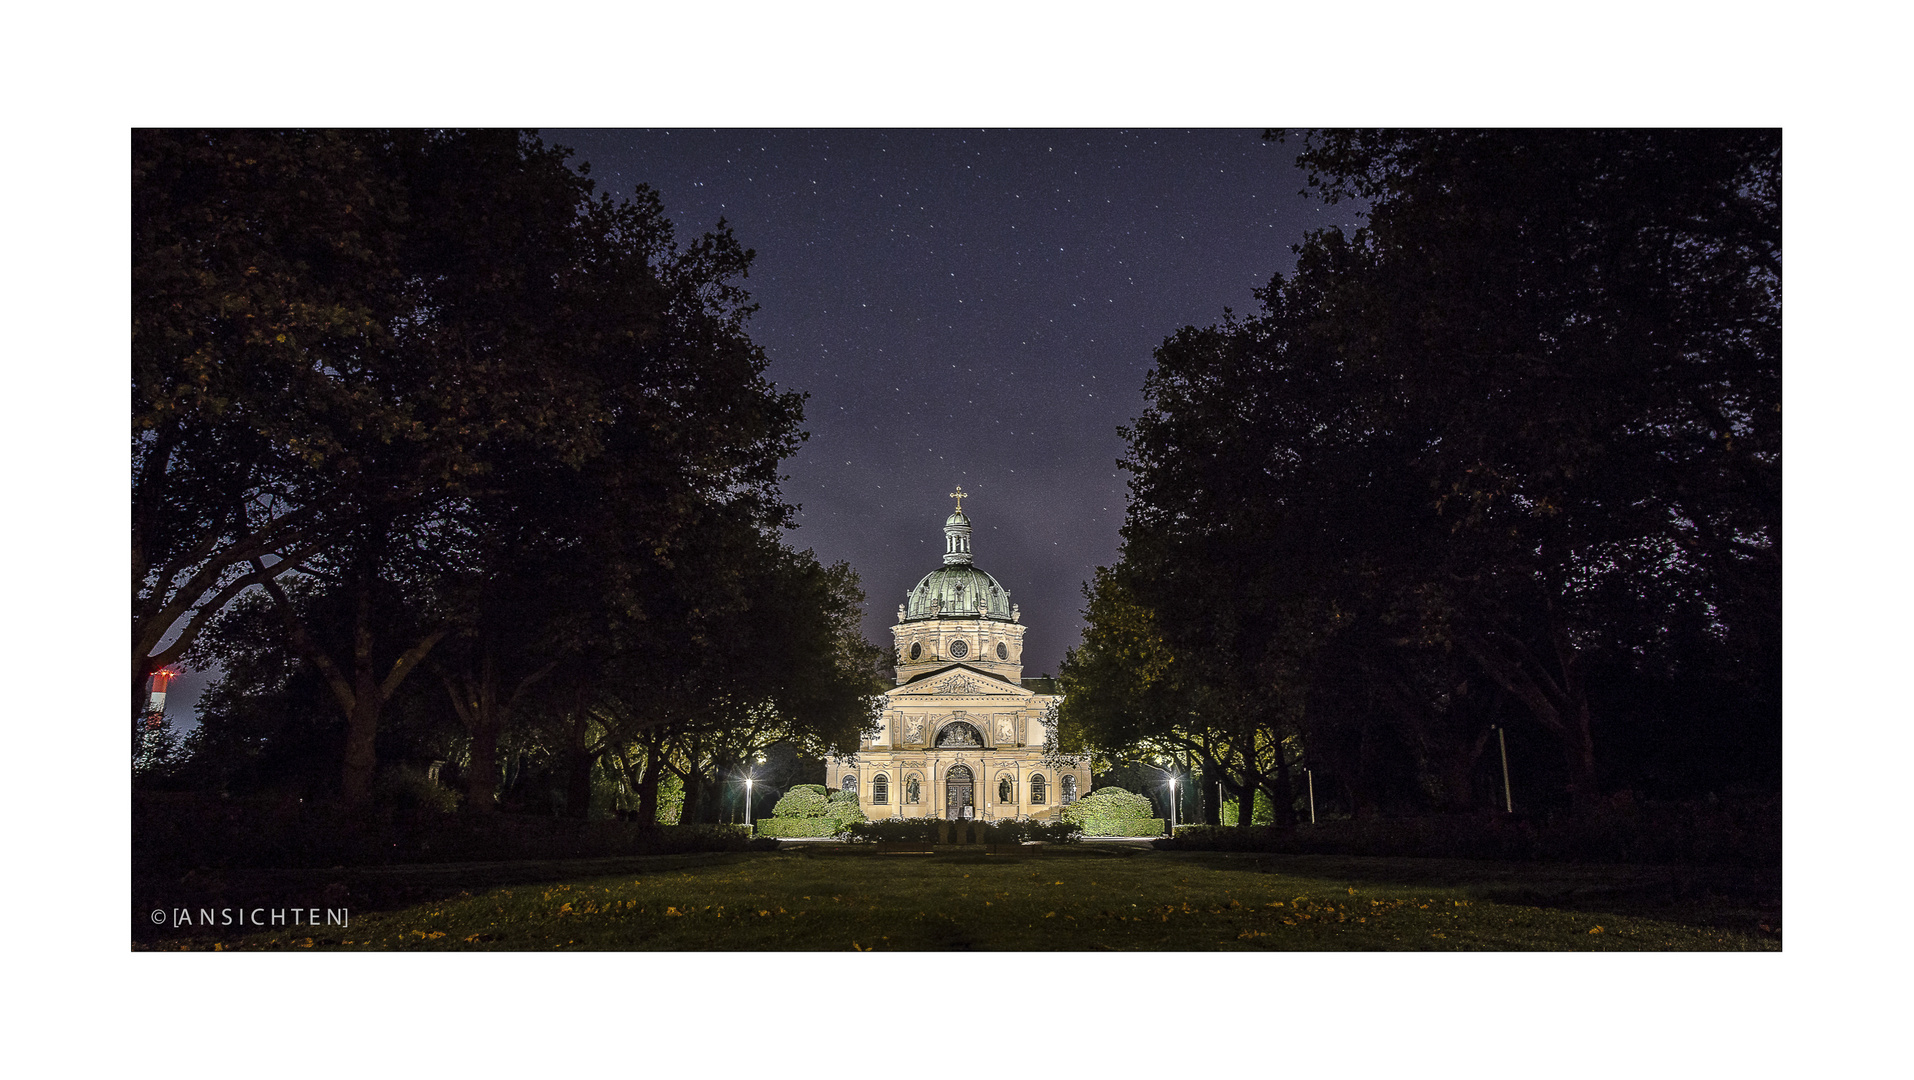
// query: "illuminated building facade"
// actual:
[[963, 733]]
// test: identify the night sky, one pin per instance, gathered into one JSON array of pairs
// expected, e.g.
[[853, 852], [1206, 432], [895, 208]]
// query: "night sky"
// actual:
[[974, 308]]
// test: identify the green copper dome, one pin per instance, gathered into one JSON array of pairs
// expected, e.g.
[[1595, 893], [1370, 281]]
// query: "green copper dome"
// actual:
[[954, 592], [959, 590]]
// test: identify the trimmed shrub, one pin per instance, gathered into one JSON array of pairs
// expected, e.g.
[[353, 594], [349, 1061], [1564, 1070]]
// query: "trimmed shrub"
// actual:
[[812, 810], [798, 826], [842, 807], [895, 831], [1112, 811], [1153, 826], [802, 801], [1052, 832]]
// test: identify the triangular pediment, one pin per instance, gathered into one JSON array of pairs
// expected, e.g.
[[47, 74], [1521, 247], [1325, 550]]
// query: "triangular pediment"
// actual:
[[959, 680]]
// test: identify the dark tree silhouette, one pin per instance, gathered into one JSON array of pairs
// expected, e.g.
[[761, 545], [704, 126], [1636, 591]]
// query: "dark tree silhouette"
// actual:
[[1525, 421]]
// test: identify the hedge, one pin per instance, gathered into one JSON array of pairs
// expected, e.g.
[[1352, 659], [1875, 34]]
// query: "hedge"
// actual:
[[802, 801], [799, 826], [842, 807], [1127, 827], [924, 831], [172, 831], [814, 802], [1112, 811], [1745, 833]]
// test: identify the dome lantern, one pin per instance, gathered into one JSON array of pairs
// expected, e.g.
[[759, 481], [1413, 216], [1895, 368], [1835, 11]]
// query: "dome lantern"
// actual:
[[957, 533], [959, 589]]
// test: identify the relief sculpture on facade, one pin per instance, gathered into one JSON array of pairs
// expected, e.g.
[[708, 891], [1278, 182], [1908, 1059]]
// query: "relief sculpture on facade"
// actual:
[[958, 684]]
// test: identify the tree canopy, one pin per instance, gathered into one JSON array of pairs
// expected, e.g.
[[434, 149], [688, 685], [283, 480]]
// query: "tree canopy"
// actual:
[[455, 411], [1511, 446]]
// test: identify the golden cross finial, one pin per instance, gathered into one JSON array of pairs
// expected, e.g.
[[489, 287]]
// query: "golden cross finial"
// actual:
[[959, 496]]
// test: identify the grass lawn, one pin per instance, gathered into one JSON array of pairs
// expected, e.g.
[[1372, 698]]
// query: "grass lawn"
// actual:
[[1082, 898]]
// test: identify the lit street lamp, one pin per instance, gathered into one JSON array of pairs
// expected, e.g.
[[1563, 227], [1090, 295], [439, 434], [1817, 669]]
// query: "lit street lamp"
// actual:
[[750, 781]]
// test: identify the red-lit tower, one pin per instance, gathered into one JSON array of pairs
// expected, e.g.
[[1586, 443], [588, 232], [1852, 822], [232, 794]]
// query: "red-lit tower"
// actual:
[[155, 714]]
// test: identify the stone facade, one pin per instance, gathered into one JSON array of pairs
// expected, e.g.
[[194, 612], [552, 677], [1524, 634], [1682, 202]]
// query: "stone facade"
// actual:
[[963, 733]]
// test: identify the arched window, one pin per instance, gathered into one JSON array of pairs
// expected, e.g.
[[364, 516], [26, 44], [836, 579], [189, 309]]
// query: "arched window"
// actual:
[[1006, 789], [880, 789], [1069, 790], [1036, 788], [850, 784], [913, 791]]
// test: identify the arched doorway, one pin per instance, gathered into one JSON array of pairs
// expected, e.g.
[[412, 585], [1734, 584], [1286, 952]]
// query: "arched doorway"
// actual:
[[960, 792]]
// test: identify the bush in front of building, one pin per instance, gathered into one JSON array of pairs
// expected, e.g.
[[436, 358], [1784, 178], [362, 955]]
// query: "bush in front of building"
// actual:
[[923, 830], [1112, 811], [798, 827], [812, 810], [842, 807], [802, 801], [917, 830], [1048, 832]]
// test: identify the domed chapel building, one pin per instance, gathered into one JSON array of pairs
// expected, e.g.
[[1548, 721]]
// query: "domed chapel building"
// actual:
[[964, 734]]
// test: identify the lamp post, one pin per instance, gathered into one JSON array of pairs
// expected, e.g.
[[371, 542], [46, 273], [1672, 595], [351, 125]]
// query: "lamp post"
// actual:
[[1508, 804], [1310, 776], [1172, 804], [750, 781]]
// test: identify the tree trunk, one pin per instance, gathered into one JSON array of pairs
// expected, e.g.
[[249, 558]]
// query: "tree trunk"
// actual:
[[1283, 798], [361, 697], [362, 735], [693, 804], [1246, 797], [1584, 791], [1458, 781], [1557, 700], [578, 764], [1212, 799], [648, 785], [481, 778], [475, 699]]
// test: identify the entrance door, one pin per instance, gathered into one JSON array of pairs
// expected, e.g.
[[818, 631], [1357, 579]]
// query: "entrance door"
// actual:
[[959, 792]]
